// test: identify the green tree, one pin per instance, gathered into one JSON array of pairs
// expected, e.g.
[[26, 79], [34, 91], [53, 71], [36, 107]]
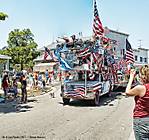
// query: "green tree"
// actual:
[[21, 48], [3, 16]]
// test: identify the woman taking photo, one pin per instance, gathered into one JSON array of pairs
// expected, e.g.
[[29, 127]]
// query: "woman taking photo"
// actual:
[[141, 109]]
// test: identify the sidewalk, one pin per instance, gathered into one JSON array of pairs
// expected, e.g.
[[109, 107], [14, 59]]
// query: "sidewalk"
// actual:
[[34, 93]]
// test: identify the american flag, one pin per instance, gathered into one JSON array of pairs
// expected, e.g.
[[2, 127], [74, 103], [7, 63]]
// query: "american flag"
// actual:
[[47, 52], [80, 90], [98, 59], [98, 29], [129, 53], [96, 87], [84, 53]]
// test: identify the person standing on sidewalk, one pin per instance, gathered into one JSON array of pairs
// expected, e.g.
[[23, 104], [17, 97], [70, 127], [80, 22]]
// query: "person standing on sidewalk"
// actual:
[[47, 76], [23, 88], [15, 87], [5, 85], [141, 110]]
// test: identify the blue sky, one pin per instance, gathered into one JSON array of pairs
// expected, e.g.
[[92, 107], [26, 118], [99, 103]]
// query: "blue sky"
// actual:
[[49, 19]]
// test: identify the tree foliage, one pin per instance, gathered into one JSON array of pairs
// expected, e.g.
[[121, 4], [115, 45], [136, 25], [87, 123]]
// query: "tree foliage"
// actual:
[[3, 16], [21, 48]]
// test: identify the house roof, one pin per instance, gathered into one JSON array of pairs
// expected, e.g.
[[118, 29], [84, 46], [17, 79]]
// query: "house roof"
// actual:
[[45, 64], [50, 46], [41, 58], [4, 57], [143, 49]]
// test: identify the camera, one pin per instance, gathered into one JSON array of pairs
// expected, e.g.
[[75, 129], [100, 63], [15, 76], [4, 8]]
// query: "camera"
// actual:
[[137, 71]]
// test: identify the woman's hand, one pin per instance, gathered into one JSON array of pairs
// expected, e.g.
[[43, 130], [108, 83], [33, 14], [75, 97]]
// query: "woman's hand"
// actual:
[[132, 73]]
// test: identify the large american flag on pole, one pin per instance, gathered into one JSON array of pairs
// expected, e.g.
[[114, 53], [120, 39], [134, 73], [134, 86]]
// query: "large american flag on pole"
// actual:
[[98, 29], [129, 53]]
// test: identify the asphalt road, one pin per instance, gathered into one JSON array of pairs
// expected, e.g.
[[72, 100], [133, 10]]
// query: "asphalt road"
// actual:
[[46, 118]]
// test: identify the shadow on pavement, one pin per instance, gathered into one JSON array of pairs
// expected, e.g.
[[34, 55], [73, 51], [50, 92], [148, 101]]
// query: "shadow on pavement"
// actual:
[[15, 106], [105, 100]]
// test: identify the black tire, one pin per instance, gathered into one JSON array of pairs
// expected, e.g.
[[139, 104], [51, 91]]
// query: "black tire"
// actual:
[[66, 101]]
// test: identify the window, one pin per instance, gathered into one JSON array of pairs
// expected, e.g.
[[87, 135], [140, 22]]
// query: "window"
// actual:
[[136, 58], [145, 59], [140, 59]]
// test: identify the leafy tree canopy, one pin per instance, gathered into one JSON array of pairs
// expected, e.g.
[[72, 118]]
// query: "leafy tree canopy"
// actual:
[[21, 48], [3, 16]]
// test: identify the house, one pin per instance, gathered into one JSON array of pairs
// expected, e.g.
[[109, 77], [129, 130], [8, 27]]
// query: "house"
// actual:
[[41, 65], [6, 64], [40, 59], [119, 47], [118, 42], [141, 56]]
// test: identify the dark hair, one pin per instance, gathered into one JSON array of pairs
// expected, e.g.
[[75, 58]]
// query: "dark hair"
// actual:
[[4, 78], [21, 78]]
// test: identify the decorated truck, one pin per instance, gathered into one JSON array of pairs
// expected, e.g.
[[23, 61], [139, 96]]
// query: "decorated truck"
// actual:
[[82, 65], [81, 87]]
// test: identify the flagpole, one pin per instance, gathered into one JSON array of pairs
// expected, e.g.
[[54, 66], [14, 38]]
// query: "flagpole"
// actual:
[[93, 1]]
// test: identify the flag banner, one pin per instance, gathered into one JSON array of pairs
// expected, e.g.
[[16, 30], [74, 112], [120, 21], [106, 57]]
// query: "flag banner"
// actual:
[[105, 42], [80, 90], [63, 64], [129, 53], [98, 29], [96, 87], [73, 94], [47, 53], [84, 52]]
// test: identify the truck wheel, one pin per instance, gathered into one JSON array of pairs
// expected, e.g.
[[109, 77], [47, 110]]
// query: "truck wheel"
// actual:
[[66, 101]]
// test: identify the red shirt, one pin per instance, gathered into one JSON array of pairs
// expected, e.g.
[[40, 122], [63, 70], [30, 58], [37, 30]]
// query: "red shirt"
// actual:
[[5, 84], [142, 105]]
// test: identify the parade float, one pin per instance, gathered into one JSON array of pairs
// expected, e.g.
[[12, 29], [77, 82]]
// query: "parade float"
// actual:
[[82, 66]]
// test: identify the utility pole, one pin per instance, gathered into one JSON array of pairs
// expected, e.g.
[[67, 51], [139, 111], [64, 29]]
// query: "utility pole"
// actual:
[[140, 43]]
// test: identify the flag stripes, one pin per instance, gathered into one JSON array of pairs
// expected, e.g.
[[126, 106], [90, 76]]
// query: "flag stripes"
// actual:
[[98, 29], [129, 53], [80, 90], [47, 53]]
